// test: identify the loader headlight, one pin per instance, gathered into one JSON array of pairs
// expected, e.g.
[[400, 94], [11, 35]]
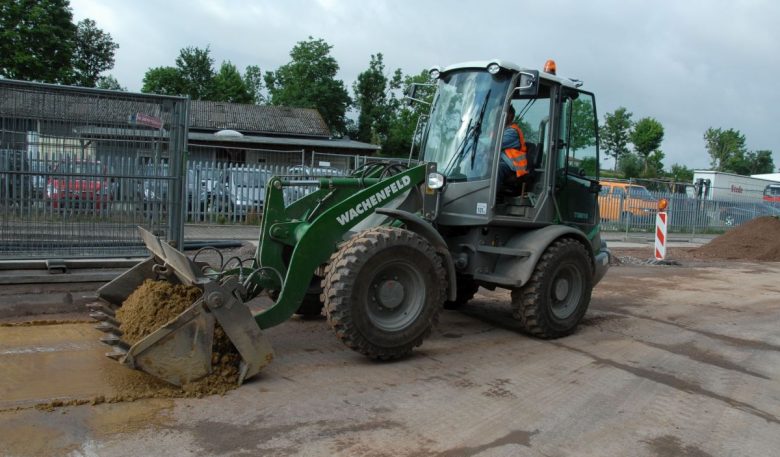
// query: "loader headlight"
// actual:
[[493, 68], [435, 181], [434, 73]]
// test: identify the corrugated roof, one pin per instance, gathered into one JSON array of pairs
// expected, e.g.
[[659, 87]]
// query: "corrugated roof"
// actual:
[[336, 143], [280, 120], [21, 99]]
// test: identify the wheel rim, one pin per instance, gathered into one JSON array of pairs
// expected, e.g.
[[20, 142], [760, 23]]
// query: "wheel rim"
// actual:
[[566, 291], [396, 295]]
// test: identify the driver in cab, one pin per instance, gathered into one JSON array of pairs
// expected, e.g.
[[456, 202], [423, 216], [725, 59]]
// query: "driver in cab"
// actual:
[[513, 168]]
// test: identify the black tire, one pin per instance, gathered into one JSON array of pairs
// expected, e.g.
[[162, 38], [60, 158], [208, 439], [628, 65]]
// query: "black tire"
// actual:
[[383, 292], [466, 288], [552, 303]]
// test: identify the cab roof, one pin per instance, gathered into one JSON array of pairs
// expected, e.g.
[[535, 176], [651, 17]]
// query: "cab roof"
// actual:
[[511, 66]]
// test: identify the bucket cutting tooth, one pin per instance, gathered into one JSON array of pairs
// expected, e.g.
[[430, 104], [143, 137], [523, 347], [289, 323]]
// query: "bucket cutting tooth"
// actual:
[[103, 308], [116, 354], [103, 317], [107, 327], [114, 340], [180, 351]]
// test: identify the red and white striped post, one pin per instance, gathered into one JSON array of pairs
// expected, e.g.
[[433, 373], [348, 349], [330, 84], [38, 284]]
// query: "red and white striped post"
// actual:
[[661, 222]]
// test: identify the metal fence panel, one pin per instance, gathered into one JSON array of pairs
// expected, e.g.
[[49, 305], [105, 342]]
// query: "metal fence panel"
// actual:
[[80, 169], [686, 214]]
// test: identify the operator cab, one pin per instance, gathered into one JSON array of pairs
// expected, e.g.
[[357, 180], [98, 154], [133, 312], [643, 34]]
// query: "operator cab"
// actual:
[[464, 135]]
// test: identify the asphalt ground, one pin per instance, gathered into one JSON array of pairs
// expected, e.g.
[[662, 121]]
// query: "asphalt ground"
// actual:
[[669, 361]]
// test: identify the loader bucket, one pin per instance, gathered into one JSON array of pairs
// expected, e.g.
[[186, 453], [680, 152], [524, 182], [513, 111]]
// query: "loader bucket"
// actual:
[[180, 351]]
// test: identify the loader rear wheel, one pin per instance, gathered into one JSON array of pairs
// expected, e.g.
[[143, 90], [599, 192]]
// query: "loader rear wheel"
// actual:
[[383, 292], [554, 300]]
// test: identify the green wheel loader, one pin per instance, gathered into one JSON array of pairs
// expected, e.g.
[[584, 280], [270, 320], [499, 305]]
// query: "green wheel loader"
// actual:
[[382, 251]]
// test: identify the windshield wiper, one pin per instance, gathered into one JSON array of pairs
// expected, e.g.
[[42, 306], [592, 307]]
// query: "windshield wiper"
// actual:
[[472, 133]]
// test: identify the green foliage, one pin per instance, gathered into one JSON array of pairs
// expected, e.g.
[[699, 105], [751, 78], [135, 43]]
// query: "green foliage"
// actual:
[[164, 81], [589, 165], [196, 68], [631, 165], [724, 147], [728, 153], [754, 162], [309, 81], [647, 136], [653, 165], [253, 80], [94, 53], [402, 131], [194, 76], [681, 173], [614, 134], [228, 86], [110, 83], [40, 42], [583, 125], [370, 97]]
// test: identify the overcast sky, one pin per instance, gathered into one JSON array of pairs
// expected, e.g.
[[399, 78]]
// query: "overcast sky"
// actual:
[[689, 64]]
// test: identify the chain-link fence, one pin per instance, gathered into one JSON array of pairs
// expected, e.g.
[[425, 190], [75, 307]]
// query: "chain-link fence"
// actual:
[[75, 165], [631, 206]]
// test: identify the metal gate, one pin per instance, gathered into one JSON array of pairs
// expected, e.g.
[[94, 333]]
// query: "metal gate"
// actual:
[[80, 169]]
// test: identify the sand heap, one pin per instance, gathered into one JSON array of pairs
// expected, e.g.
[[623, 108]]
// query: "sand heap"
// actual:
[[150, 306], [758, 239]]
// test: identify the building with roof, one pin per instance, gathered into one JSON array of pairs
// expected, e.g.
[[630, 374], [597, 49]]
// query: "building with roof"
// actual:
[[94, 122], [241, 133]]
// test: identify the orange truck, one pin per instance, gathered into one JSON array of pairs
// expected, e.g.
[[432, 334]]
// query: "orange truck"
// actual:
[[626, 202]]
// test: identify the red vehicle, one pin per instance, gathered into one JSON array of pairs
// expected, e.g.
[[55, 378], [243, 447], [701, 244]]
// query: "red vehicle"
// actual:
[[772, 193], [78, 185]]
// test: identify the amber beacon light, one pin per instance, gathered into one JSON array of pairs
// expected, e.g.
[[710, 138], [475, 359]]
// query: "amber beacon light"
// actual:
[[549, 67]]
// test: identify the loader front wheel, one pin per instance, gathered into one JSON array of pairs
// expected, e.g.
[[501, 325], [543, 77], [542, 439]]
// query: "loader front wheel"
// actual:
[[552, 303], [383, 292]]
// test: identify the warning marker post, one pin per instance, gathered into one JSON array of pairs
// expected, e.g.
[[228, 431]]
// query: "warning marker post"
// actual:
[[661, 223]]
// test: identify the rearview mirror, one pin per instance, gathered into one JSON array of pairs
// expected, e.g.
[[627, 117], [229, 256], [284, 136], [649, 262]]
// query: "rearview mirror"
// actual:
[[412, 91], [528, 83]]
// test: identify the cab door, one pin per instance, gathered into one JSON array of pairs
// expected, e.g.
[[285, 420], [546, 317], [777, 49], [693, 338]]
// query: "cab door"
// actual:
[[577, 160]]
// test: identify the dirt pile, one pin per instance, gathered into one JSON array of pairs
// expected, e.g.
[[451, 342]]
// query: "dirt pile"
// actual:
[[758, 239], [152, 305]]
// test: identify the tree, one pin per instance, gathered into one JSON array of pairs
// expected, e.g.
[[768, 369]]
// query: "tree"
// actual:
[[371, 101], [759, 162], [228, 86], [164, 81], [253, 80], [40, 42], [614, 134], [36, 40], [402, 128], [646, 136], [194, 76], [583, 133], [110, 83], [725, 147], [93, 54], [196, 68], [653, 165], [309, 81], [630, 165], [681, 173]]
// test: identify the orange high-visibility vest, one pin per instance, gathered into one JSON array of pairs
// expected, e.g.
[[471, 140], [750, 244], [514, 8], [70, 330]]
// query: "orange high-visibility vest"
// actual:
[[518, 156]]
